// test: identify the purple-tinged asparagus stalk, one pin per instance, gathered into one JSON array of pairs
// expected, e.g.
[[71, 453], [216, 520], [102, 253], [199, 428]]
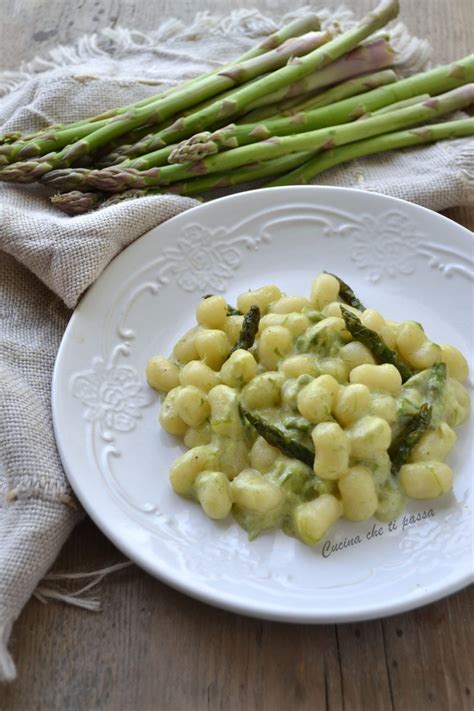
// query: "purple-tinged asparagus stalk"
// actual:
[[360, 60], [76, 203]]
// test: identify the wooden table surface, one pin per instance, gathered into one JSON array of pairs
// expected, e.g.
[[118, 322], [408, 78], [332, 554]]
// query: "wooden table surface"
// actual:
[[154, 648]]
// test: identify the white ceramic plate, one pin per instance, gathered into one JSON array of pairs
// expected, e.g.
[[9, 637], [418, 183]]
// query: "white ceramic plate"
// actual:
[[402, 259]]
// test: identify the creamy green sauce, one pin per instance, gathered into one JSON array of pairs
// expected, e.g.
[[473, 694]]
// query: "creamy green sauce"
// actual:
[[273, 398], [297, 480]]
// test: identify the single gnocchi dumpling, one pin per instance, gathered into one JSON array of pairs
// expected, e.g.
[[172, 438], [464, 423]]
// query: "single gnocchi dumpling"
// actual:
[[212, 346], [352, 403], [369, 436], [274, 344], [415, 348], [252, 492], [170, 419], [211, 312], [313, 519], [224, 416], [263, 456], [185, 349], [296, 365], [186, 468], [214, 493], [289, 304], [378, 377], [354, 354], [331, 450], [192, 405], [426, 480], [358, 494], [198, 374], [324, 290], [457, 365], [263, 391], [162, 374], [316, 400]]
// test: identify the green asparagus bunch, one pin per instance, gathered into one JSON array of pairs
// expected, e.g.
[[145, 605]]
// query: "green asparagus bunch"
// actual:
[[302, 101], [125, 177], [301, 167]]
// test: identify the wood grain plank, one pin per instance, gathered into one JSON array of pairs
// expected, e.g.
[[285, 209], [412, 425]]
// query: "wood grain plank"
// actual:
[[426, 653], [362, 648]]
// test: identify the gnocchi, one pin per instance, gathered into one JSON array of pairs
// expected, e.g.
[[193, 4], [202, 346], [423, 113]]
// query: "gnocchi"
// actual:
[[307, 424]]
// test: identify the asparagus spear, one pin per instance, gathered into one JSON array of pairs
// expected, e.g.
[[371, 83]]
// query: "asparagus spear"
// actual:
[[118, 178], [347, 295], [417, 424], [72, 204], [410, 434], [388, 142], [372, 340], [362, 59], [400, 105], [339, 108], [76, 202], [435, 388], [77, 178], [162, 109], [301, 25], [344, 90], [277, 438], [249, 329]]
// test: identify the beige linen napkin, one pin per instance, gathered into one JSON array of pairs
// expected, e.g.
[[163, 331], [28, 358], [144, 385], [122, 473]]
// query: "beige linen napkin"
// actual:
[[47, 259]]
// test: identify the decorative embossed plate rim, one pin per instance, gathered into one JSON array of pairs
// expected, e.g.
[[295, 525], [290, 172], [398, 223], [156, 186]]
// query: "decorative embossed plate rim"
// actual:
[[105, 417]]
